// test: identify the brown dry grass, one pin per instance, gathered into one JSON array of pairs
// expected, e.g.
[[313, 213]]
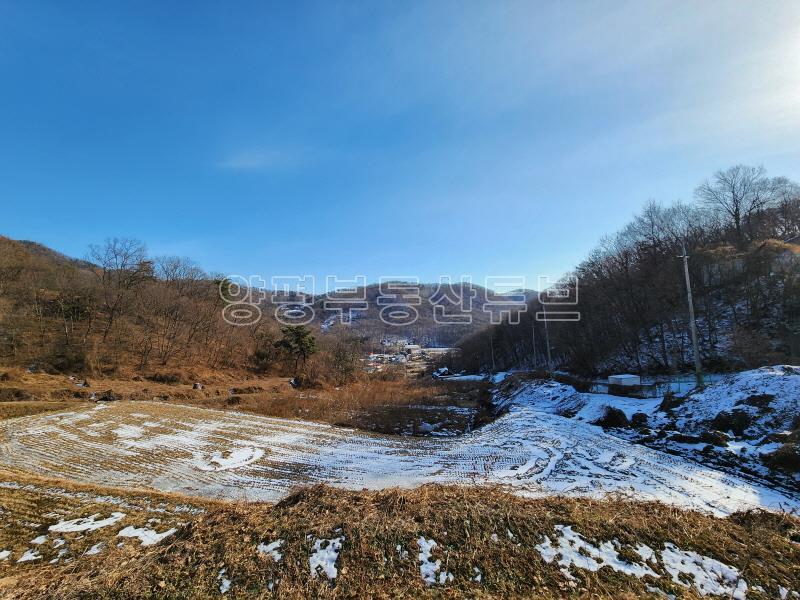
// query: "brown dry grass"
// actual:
[[10, 410], [373, 403], [460, 519]]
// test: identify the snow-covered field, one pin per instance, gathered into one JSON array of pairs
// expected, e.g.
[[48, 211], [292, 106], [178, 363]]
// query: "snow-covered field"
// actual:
[[235, 455]]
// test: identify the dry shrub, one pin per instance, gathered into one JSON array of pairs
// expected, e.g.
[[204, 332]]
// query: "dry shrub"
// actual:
[[613, 417], [786, 458], [715, 438], [736, 421], [759, 401], [639, 420], [168, 378], [11, 394]]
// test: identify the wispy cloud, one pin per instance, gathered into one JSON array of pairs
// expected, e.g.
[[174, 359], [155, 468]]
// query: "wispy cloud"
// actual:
[[267, 159]]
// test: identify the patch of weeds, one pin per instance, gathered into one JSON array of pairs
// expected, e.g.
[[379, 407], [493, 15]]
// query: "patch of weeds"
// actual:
[[760, 401], [786, 458], [613, 417], [737, 421], [715, 438], [670, 401], [14, 394], [168, 378]]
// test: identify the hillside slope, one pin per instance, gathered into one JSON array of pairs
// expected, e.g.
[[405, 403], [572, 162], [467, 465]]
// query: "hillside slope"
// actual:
[[746, 424], [89, 542], [624, 307]]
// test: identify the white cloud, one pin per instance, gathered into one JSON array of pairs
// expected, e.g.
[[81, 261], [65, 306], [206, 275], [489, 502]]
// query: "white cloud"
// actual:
[[265, 159]]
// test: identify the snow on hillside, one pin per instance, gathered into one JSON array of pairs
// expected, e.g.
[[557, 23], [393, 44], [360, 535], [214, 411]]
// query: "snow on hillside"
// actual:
[[563, 400], [770, 396], [731, 425]]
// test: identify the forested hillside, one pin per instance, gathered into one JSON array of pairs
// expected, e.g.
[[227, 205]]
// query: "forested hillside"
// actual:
[[121, 309], [742, 234], [118, 309]]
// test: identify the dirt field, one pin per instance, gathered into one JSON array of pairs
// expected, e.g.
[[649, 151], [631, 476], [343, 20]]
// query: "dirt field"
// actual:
[[238, 456]]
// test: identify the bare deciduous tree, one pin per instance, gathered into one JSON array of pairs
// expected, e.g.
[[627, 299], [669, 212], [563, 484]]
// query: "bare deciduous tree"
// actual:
[[740, 192], [787, 202], [123, 266]]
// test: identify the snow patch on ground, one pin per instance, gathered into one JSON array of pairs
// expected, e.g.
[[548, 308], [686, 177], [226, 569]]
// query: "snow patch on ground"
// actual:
[[96, 549], [86, 523], [128, 432], [402, 554], [708, 576], [61, 554], [563, 400], [572, 549], [428, 568], [236, 458], [687, 568], [646, 552], [323, 560], [271, 549], [465, 378], [148, 537], [224, 582], [29, 555]]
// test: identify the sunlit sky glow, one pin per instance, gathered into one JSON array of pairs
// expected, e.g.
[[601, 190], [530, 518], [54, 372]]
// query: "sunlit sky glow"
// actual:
[[381, 138]]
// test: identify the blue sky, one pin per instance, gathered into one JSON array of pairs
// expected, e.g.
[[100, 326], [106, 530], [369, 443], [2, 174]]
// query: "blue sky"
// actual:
[[381, 138]]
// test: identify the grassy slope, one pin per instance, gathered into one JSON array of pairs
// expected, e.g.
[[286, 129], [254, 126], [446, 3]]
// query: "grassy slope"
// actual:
[[460, 519]]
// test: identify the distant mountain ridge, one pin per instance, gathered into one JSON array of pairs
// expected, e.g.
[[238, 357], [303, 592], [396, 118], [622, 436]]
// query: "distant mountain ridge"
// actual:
[[429, 314]]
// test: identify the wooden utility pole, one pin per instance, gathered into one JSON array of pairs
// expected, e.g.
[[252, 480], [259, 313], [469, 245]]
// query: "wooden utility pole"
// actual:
[[547, 341], [491, 346], [698, 369]]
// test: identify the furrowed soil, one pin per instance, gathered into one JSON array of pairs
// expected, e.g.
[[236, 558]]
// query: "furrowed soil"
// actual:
[[233, 455]]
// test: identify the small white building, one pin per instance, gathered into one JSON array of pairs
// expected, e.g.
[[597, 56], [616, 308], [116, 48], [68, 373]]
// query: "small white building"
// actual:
[[624, 380]]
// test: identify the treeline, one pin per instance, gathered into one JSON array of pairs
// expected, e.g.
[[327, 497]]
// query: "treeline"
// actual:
[[122, 311], [119, 308], [742, 234]]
